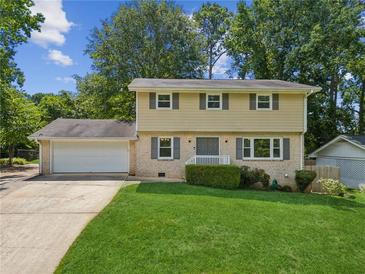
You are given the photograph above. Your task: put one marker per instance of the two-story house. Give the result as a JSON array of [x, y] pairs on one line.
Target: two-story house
[[258, 123]]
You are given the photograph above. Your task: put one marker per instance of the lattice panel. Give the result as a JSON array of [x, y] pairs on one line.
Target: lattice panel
[[352, 171]]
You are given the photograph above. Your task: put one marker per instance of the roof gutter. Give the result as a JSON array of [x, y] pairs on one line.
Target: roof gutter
[[312, 91], [232, 90]]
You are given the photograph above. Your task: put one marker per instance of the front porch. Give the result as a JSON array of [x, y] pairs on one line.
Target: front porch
[[209, 160], [208, 153]]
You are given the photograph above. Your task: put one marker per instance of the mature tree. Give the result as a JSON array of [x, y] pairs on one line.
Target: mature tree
[[19, 117], [214, 22], [356, 66], [16, 25], [37, 97], [91, 103], [306, 41], [149, 39], [54, 106]]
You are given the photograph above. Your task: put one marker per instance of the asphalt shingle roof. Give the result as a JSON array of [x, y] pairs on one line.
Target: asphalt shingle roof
[[73, 128], [140, 83]]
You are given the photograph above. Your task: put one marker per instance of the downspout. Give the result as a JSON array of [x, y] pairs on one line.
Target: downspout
[[39, 156], [305, 128]]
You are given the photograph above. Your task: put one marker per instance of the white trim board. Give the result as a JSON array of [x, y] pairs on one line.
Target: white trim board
[[340, 137]]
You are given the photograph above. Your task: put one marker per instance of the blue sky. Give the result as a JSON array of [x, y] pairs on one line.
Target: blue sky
[[51, 57]]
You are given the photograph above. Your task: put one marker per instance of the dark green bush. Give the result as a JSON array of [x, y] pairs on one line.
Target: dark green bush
[[220, 176], [286, 188], [303, 178], [250, 176]]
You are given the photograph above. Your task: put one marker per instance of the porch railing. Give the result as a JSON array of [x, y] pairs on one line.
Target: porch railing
[[209, 160]]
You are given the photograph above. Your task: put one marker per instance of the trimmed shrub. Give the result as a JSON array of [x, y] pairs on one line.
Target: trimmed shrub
[[220, 176], [250, 176], [16, 161], [332, 187], [362, 188], [303, 178]]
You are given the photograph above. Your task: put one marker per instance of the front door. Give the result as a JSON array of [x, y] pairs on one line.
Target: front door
[[207, 146]]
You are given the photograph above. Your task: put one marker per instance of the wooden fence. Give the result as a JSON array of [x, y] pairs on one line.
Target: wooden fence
[[332, 172]]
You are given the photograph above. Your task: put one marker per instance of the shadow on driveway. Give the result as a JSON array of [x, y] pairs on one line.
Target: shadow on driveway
[[80, 177]]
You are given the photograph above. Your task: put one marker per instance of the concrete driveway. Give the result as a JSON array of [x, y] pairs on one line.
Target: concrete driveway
[[40, 220]]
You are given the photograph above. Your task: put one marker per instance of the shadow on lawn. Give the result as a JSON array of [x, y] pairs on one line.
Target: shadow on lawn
[[267, 196]]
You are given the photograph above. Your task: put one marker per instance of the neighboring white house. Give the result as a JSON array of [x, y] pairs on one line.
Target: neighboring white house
[[348, 153]]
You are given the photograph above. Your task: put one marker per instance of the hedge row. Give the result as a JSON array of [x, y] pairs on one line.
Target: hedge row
[[220, 176]]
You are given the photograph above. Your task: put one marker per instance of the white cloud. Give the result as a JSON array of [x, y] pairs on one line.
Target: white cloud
[[222, 65], [348, 76], [57, 57], [66, 79], [55, 24]]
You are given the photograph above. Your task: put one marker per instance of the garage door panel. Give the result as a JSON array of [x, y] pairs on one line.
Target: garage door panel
[[90, 157]]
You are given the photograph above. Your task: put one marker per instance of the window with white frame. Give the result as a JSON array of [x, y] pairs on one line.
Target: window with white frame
[[262, 148], [263, 102], [165, 146], [276, 148], [246, 148], [163, 101], [214, 101]]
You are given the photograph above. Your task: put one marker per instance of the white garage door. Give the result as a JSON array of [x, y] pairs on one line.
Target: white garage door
[[87, 156]]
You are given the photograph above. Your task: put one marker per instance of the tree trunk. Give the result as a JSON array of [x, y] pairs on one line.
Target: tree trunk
[[362, 109], [333, 104], [11, 154], [210, 73]]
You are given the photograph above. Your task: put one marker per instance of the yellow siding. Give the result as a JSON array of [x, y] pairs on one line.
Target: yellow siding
[[289, 117]]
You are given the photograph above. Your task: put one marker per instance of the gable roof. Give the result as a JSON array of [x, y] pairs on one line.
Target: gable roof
[[198, 84], [86, 128], [358, 141]]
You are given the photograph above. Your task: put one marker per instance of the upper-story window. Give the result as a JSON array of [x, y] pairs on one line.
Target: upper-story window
[[163, 101], [264, 102], [214, 101]]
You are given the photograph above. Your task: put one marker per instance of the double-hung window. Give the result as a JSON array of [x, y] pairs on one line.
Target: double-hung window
[[246, 148], [165, 147], [276, 148], [214, 101], [262, 148], [264, 102], [163, 101]]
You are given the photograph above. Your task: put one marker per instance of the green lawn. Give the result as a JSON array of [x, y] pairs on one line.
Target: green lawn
[[177, 228], [36, 161]]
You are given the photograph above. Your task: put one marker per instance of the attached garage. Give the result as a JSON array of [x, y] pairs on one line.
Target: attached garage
[[90, 156], [347, 153], [86, 146]]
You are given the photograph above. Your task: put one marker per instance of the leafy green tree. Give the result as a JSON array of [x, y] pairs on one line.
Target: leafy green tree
[[16, 25], [214, 22], [19, 118], [356, 66], [54, 106], [37, 97], [147, 38], [305, 41]]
